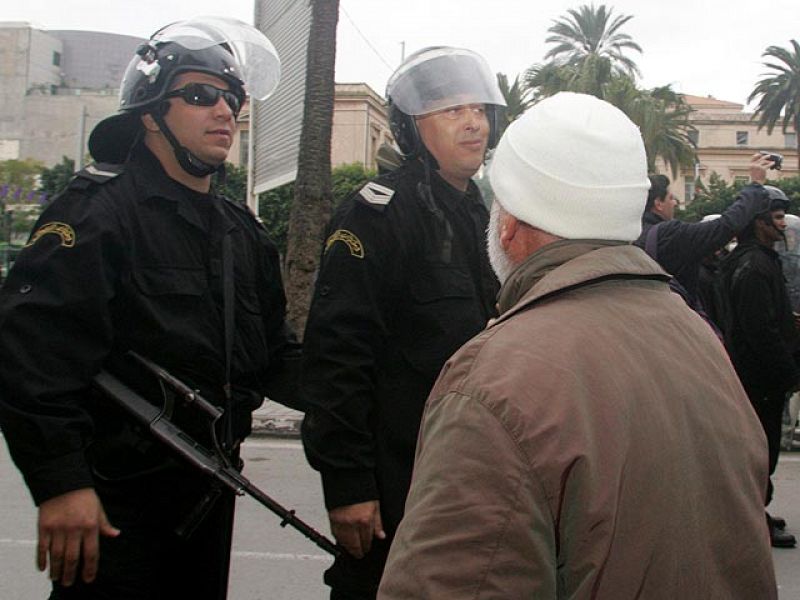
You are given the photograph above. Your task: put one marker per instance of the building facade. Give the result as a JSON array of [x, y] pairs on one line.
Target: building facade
[[726, 138], [55, 86]]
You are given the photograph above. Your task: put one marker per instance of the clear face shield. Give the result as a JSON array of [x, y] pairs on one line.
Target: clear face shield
[[434, 79], [789, 251], [255, 54]]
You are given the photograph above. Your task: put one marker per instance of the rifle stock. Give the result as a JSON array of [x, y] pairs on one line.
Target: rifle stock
[[199, 457]]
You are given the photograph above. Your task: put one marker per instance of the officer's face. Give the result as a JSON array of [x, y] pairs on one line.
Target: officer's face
[[207, 131], [457, 138], [779, 224]]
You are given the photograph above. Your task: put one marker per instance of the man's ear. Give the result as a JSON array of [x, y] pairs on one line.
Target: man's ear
[[150, 123], [509, 228]]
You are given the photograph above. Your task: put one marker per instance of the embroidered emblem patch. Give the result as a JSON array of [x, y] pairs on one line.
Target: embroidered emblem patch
[[376, 194], [62, 230], [354, 244]]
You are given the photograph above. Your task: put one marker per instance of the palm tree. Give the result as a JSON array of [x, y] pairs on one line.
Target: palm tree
[[589, 33], [546, 79], [313, 196], [779, 93], [662, 116], [516, 95]]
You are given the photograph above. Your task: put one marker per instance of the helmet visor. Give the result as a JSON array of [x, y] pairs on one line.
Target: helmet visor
[[257, 57], [440, 78]]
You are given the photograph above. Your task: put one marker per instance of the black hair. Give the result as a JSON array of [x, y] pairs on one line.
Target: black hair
[[658, 190]]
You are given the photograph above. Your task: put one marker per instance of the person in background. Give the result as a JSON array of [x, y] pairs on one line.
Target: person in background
[[680, 247], [760, 331], [564, 452]]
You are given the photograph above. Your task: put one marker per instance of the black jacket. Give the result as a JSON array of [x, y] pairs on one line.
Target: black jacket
[[681, 246], [128, 259], [404, 282], [757, 319]]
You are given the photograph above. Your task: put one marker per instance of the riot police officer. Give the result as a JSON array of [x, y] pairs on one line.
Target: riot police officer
[[404, 281], [139, 255]]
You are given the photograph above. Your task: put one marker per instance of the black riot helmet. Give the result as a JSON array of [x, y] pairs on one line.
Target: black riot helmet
[[436, 78], [235, 52], [777, 199]]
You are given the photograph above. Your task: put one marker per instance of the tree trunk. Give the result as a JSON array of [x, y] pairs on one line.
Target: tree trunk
[[312, 203]]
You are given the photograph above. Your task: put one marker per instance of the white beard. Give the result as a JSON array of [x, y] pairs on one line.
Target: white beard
[[500, 262]]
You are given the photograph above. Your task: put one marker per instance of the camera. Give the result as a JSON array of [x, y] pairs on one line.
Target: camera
[[777, 159]]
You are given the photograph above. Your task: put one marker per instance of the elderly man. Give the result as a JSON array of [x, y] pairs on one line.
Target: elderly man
[[568, 451], [404, 281]]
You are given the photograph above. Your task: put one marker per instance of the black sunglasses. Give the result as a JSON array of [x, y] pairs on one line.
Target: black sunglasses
[[205, 94]]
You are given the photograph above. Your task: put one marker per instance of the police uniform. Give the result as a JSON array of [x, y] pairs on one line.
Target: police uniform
[[129, 259], [404, 281]]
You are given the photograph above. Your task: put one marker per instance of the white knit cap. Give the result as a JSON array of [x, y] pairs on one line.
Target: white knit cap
[[573, 166]]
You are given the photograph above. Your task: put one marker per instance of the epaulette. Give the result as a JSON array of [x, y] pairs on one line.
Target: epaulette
[[95, 174], [375, 195]]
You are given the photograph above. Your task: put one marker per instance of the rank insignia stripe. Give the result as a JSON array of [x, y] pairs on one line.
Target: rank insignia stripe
[[62, 230], [377, 195], [351, 240]]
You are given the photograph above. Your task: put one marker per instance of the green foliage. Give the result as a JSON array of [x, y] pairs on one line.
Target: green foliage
[[346, 179], [274, 205], [718, 195], [235, 185], [20, 173], [590, 37], [273, 210], [517, 96], [54, 179], [778, 92]]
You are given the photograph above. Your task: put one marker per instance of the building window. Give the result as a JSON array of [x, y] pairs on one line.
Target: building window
[[741, 179], [790, 140], [688, 190], [694, 136], [244, 147], [57, 59], [741, 138]]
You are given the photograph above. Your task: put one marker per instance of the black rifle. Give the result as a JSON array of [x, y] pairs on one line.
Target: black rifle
[[214, 464]]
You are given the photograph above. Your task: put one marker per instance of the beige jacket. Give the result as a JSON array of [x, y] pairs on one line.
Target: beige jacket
[[594, 442]]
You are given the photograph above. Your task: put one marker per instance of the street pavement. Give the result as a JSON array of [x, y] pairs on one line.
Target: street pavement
[[272, 563]]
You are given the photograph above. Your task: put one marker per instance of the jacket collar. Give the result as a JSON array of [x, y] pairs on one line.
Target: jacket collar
[[153, 182], [570, 263], [651, 218], [446, 194]]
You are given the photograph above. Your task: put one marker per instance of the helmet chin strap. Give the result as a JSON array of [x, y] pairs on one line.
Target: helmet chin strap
[[188, 161]]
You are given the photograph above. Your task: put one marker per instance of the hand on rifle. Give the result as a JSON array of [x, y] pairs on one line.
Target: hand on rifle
[[70, 526], [355, 525]]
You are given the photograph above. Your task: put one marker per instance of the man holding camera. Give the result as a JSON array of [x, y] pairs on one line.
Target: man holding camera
[[680, 247], [760, 331]]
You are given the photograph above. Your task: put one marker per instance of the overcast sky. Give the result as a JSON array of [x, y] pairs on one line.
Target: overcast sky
[[701, 47]]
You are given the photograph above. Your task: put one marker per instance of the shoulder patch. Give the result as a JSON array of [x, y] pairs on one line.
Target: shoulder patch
[[375, 195], [62, 230], [350, 239], [99, 173]]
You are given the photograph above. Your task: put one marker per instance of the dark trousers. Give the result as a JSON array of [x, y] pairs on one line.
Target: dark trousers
[[769, 408], [148, 561], [358, 579]]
